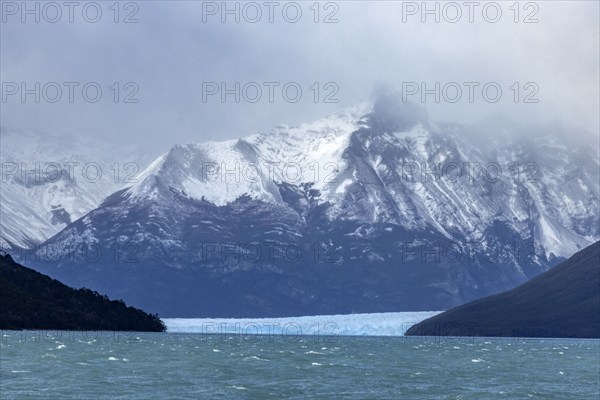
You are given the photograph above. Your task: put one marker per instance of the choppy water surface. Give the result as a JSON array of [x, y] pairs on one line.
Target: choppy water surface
[[74, 365]]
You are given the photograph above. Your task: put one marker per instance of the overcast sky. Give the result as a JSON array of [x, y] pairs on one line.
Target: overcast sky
[[175, 48]]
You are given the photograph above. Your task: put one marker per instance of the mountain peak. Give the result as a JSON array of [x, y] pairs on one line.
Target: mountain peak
[[222, 171]]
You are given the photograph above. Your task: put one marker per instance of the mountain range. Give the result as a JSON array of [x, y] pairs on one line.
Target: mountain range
[[375, 208]]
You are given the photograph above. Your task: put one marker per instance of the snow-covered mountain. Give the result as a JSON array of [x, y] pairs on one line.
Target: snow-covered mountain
[[375, 208], [49, 181]]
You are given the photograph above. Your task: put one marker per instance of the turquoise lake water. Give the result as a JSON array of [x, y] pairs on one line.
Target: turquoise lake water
[[76, 365]]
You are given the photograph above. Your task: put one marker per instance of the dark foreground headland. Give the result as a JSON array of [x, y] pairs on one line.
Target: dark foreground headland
[[562, 302], [30, 300]]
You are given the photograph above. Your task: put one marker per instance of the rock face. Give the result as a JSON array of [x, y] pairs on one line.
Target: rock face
[[563, 302], [30, 300], [376, 208]]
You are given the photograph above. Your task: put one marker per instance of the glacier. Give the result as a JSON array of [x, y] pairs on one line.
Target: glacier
[[369, 324]]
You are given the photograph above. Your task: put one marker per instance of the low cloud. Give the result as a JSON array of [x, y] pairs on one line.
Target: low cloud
[[153, 73]]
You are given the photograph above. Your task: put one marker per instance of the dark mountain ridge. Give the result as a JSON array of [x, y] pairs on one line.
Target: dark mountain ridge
[[562, 302], [30, 300]]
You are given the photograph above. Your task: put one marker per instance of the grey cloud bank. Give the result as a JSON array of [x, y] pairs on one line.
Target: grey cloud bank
[[152, 75]]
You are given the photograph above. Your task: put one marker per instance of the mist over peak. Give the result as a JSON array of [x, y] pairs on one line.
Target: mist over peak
[[392, 113]]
